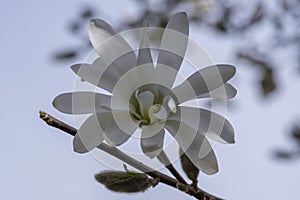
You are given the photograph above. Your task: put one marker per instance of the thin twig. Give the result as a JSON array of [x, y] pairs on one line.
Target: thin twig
[[198, 194], [163, 158]]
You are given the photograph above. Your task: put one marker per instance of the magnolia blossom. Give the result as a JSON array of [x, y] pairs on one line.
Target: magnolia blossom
[[143, 95]]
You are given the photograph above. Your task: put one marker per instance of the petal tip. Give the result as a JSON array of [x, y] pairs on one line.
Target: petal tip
[[227, 71], [181, 14], [78, 146], [211, 171], [233, 141], [56, 103], [93, 22], [232, 68], [234, 92], [230, 142], [75, 68]]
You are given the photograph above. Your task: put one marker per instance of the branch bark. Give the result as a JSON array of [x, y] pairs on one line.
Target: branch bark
[[163, 158], [197, 193]]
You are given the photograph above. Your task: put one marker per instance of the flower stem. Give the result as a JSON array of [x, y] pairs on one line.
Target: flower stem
[[198, 194], [163, 158]]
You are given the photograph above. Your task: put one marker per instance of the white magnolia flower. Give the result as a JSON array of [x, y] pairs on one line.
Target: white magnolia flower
[[143, 95]]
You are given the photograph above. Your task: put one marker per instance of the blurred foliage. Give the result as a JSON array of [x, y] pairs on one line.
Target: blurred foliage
[[268, 31], [77, 28], [291, 153], [229, 19]]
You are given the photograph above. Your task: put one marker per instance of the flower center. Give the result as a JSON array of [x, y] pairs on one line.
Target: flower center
[[157, 114], [156, 108], [149, 107]]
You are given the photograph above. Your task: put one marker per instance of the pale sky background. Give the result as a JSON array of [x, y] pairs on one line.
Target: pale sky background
[[37, 161]]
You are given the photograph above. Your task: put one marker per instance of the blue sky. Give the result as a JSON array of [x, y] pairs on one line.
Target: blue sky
[[37, 161]]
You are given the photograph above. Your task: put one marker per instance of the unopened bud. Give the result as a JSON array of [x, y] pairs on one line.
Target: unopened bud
[[189, 168], [127, 182]]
